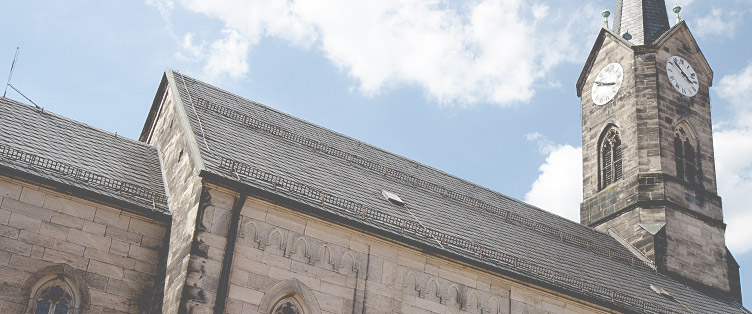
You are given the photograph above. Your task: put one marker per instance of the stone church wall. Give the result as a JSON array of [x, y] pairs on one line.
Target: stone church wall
[[184, 192], [280, 253], [113, 252], [696, 250]]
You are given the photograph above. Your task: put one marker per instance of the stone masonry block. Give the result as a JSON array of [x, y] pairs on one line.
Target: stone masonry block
[[27, 209], [15, 246], [24, 222], [67, 220], [111, 218], [89, 240], [80, 210], [75, 261], [146, 228], [246, 295], [10, 190], [32, 196], [95, 228], [104, 269], [107, 257]]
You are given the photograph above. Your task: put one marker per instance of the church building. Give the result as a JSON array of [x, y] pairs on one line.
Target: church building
[[225, 205]]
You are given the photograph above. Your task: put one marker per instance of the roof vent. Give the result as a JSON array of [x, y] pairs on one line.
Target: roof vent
[[662, 292], [393, 198]]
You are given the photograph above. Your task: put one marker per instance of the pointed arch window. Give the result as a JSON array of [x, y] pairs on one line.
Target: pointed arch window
[[685, 155], [611, 158], [287, 306], [54, 297]]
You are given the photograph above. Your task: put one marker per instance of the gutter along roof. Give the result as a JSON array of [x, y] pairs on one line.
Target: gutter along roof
[[306, 163]]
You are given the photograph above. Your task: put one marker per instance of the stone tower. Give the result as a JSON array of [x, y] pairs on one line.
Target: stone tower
[[648, 161]]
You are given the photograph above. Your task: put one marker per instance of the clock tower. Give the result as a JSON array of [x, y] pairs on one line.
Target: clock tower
[[648, 161]]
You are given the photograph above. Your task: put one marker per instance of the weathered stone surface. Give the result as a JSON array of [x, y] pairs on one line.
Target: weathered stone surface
[[54, 229], [647, 111]]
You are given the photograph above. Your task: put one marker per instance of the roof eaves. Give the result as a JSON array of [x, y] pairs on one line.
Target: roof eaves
[[157, 212]]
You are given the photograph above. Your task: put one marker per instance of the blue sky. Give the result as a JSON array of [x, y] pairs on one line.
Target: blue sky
[[484, 90]]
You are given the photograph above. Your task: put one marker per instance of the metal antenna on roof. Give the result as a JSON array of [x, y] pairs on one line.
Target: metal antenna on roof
[[12, 67], [8, 84]]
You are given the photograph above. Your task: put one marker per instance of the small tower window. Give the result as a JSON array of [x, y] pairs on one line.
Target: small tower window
[[685, 155], [611, 158]]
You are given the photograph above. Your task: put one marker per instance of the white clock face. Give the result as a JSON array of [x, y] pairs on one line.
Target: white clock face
[[607, 83], [682, 76]]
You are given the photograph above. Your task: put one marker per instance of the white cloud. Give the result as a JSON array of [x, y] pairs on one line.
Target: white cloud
[[191, 50], [718, 22], [489, 51], [558, 188], [163, 6], [733, 152], [228, 56]]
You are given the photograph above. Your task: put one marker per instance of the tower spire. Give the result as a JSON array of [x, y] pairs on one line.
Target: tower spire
[[641, 21]]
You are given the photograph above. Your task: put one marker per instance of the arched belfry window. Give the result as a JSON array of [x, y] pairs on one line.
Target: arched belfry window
[[610, 158], [685, 154]]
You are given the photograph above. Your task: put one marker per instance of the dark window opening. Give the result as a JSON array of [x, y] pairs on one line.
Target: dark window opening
[[611, 158], [53, 300], [685, 157]]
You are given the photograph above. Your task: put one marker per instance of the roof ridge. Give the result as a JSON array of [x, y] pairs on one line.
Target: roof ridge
[[388, 152], [616, 253], [471, 249], [14, 102]]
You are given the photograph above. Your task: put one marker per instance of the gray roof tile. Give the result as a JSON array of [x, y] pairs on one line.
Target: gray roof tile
[[47, 145], [299, 160]]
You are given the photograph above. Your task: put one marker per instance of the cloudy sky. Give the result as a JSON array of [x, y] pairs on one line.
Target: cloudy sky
[[484, 89]]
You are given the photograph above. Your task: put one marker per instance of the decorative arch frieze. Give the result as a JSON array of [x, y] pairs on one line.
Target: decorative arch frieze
[[275, 242], [299, 250], [347, 264], [452, 296], [433, 291], [450, 293], [299, 247]]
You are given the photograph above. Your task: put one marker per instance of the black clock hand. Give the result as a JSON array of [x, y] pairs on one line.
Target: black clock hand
[[682, 73], [605, 84]]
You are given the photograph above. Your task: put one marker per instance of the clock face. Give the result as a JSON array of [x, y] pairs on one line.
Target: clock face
[[607, 83], [682, 76]]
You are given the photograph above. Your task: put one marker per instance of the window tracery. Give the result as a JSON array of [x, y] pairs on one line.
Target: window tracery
[[54, 297], [611, 158], [287, 306]]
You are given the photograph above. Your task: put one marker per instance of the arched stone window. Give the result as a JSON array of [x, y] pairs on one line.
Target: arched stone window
[[57, 289], [610, 157], [289, 297], [287, 306], [685, 154], [54, 297]]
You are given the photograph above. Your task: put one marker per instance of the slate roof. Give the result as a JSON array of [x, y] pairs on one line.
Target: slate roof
[[41, 144], [644, 20], [298, 160]]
